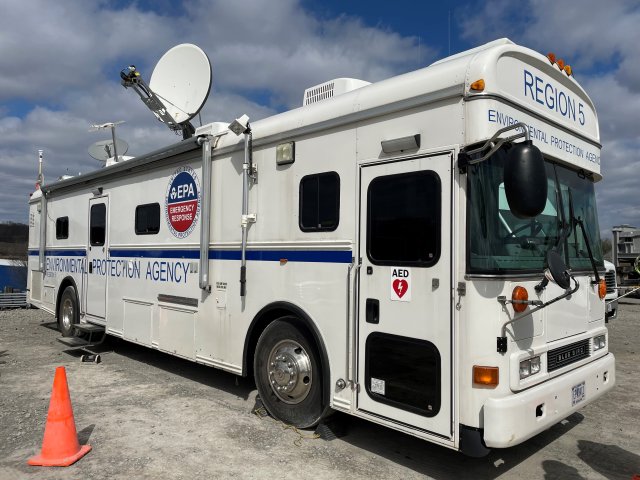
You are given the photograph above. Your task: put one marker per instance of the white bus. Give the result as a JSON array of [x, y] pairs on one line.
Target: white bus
[[422, 252]]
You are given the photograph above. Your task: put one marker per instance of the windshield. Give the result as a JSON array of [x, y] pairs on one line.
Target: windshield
[[500, 242]]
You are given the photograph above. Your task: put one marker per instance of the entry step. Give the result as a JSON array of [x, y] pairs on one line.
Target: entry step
[[89, 328], [74, 342]]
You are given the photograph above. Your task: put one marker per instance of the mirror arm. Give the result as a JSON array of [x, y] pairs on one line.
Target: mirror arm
[[502, 340], [495, 142]]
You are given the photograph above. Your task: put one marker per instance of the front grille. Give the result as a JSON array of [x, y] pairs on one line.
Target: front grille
[[610, 279], [563, 356]]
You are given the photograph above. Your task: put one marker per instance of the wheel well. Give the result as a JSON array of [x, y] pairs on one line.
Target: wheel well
[[68, 281], [282, 309]]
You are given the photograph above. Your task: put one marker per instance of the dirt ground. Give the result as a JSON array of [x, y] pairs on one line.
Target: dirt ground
[[150, 415]]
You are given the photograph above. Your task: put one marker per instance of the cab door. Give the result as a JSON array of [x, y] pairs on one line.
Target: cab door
[[404, 324], [96, 290]]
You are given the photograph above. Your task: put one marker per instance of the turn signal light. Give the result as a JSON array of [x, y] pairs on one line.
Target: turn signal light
[[518, 298], [478, 85], [486, 375], [602, 289], [551, 57]]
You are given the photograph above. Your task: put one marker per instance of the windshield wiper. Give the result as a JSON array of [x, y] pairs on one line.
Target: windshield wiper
[[568, 225], [578, 221]]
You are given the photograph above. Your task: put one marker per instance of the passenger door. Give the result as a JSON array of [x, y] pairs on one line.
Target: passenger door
[[96, 257], [404, 325]]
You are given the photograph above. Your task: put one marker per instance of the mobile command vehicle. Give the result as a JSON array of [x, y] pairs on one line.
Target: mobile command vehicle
[[422, 252]]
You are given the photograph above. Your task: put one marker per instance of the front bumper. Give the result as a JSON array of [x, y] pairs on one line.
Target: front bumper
[[512, 420]]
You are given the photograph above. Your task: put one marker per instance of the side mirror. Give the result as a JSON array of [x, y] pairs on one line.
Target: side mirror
[[558, 269], [525, 180]]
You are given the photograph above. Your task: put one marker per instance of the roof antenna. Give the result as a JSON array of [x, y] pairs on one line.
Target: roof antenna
[[40, 179], [179, 86], [449, 30]]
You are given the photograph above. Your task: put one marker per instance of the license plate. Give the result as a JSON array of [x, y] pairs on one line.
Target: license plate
[[577, 393]]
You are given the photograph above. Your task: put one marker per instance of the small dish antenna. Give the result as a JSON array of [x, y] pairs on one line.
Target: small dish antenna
[[104, 150], [179, 86]]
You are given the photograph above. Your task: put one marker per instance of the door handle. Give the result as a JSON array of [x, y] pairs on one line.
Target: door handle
[[373, 310]]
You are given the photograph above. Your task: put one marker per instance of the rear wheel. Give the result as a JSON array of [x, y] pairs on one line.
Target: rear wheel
[[68, 311], [288, 374]]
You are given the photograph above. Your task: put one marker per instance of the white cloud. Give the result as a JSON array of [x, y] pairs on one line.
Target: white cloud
[[64, 59], [599, 39]]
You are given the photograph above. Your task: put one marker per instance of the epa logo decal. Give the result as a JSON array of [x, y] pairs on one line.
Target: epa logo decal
[[182, 202]]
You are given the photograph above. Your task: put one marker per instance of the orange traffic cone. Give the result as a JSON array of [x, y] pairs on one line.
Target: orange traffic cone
[[60, 447]]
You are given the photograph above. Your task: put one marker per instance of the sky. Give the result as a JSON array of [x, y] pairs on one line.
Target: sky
[[60, 64]]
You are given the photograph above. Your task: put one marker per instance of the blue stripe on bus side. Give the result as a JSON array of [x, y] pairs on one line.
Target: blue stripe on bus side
[[315, 256], [312, 256]]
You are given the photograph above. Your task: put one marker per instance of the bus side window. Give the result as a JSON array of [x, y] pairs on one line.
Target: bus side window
[[62, 228], [147, 219], [98, 225], [319, 209]]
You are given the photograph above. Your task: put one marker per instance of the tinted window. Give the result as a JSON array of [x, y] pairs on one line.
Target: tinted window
[[403, 224], [148, 219], [62, 228], [501, 243], [403, 372], [319, 202], [98, 224]]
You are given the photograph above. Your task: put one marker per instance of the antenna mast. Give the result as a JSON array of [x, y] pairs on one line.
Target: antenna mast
[[131, 78], [112, 125], [40, 179]]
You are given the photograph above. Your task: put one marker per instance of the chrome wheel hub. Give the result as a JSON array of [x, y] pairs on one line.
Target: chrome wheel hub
[[67, 313], [289, 370]]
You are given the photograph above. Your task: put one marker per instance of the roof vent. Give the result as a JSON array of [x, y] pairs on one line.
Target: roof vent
[[330, 89]]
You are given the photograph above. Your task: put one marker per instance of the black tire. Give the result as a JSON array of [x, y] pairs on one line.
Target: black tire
[[286, 358], [68, 311]]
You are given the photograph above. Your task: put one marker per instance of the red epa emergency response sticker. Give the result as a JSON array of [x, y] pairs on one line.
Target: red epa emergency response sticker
[[182, 202]]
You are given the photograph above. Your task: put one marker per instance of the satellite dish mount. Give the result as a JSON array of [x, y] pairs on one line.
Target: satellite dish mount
[[179, 86], [108, 150]]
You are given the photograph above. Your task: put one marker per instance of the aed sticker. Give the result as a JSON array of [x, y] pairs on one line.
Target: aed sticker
[[400, 284], [182, 202]]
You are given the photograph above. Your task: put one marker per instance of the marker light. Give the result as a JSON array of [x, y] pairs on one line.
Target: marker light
[[529, 367], [560, 63], [478, 85], [568, 70], [602, 289], [518, 297], [599, 342], [551, 57], [486, 375]]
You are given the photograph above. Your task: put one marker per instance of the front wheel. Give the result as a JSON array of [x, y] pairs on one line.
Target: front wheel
[[68, 311], [288, 374]]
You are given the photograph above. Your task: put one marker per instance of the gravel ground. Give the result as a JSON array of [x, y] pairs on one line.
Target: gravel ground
[[150, 415]]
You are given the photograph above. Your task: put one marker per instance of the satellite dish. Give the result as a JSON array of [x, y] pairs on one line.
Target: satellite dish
[[103, 150], [179, 86], [182, 81]]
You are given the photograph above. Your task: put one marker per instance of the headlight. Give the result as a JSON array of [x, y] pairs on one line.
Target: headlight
[[529, 367], [599, 342]]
